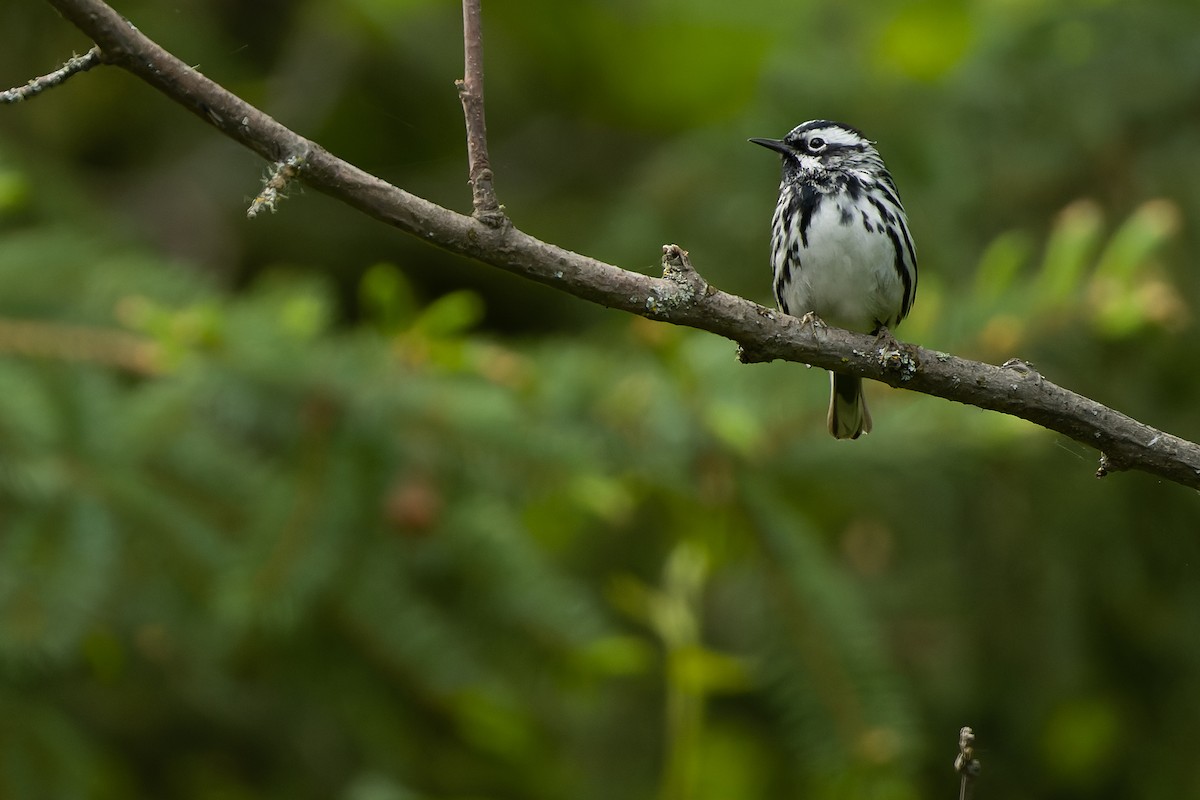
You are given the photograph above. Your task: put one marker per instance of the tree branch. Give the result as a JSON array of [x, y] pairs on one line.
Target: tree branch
[[680, 297], [470, 91], [74, 65]]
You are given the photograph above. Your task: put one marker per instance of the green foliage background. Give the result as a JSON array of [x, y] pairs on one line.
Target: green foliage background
[[299, 507]]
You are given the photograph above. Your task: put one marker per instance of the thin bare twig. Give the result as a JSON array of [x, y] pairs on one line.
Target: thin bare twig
[[74, 65], [965, 763], [470, 91], [681, 299]]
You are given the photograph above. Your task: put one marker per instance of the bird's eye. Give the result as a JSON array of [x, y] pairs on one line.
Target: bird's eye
[[816, 144]]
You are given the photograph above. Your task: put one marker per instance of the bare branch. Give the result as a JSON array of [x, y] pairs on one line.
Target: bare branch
[[74, 65], [680, 297], [470, 91], [965, 763]]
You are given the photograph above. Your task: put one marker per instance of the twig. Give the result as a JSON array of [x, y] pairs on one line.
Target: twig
[[470, 91], [762, 333], [965, 763], [74, 65]]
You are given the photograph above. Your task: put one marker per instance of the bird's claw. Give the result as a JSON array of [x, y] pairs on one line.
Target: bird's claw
[[886, 341], [811, 319]]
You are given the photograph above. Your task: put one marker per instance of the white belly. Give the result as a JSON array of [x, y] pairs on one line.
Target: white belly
[[846, 275]]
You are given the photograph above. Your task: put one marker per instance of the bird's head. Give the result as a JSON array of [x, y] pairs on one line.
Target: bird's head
[[821, 147]]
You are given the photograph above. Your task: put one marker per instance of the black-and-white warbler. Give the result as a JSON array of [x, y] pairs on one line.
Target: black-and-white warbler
[[840, 246]]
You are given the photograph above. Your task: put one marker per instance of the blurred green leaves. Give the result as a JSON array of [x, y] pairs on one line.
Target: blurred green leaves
[[1110, 280], [925, 40], [14, 190], [310, 510], [386, 297], [402, 496], [1072, 244], [1080, 741], [675, 73], [1129, 290]]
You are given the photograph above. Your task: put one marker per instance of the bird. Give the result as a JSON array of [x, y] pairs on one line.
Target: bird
[[841, 250]]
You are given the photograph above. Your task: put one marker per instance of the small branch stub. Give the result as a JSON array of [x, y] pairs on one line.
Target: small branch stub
[[74, 65], [681, 287], [678, 267], [965, 764]]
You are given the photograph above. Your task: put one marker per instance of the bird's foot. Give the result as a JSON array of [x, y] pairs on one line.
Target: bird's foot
[[811, 319]]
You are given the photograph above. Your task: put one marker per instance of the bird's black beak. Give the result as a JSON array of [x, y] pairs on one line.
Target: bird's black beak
[[778, 145]]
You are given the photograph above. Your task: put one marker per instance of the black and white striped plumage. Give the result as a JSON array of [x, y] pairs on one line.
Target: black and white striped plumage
[[840, 246]]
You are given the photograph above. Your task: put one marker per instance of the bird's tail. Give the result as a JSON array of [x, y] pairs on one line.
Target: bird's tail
[[848, 415]]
